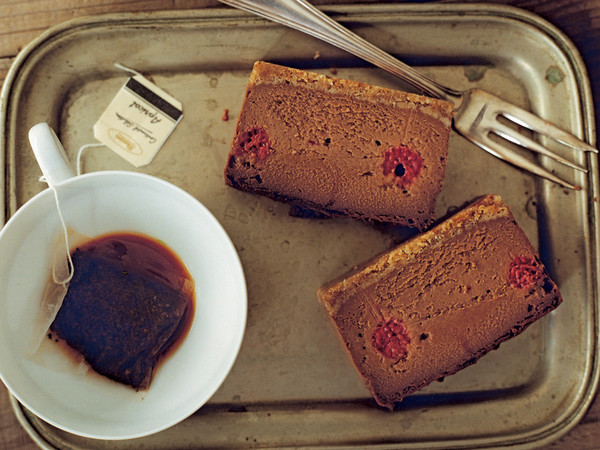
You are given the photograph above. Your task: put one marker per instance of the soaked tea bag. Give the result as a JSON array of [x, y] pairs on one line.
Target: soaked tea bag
[[129, 303], [117, 304]]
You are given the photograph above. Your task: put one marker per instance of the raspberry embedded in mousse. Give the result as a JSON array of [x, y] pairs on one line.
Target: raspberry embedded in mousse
[[405, 164], [253, 142], [391, 339], [524, 272]]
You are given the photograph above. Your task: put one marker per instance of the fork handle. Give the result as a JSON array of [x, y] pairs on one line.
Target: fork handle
[[302, 16]]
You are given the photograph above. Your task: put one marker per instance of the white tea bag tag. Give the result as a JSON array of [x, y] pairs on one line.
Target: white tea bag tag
[[138, 121]]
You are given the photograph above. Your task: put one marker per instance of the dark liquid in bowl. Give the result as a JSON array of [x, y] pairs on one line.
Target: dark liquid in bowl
[[129, 304]]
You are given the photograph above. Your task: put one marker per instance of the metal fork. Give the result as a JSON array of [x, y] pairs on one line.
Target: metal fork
[[477, 112]]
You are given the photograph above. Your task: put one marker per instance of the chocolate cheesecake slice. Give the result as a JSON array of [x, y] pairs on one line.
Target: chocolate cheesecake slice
[[440, 301], [340, 147]]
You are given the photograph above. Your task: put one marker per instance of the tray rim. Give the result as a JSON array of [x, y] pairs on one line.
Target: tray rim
[[503, 12]]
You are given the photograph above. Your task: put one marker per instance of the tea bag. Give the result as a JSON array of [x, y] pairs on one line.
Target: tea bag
[[129, 302]]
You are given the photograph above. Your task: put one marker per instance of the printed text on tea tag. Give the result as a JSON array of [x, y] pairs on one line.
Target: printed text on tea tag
[[138, 121]]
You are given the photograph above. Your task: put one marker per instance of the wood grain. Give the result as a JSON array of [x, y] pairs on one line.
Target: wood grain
[[21, 21]]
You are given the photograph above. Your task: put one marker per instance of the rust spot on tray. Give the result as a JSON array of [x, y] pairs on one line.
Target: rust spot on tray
[[554, 75]]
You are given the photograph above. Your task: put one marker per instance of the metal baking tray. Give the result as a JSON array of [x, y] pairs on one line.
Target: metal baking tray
[[292, 384]]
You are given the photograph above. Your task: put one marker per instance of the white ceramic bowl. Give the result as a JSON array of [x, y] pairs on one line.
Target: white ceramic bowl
[[90, 405]]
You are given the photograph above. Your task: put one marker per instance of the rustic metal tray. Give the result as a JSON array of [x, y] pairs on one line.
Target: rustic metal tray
[[292, 384]]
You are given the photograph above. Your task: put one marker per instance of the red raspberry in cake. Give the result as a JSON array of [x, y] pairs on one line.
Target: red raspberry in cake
[[254, 142], [524, 272], [391, 339], [404, 163]]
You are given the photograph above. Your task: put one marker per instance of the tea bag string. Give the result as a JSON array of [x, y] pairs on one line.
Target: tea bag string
[[80, 153], [66, 236], [57, 201], [127, 69], [62, 219]]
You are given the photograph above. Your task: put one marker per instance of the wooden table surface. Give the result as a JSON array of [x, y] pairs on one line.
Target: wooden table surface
[[23, 20]]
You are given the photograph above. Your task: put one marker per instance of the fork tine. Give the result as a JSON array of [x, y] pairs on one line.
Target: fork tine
[[541, 126], [518, 138], [509, 156]]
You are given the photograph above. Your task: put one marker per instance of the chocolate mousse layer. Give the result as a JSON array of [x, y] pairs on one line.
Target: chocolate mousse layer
[[440, 301], [340, 147]]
